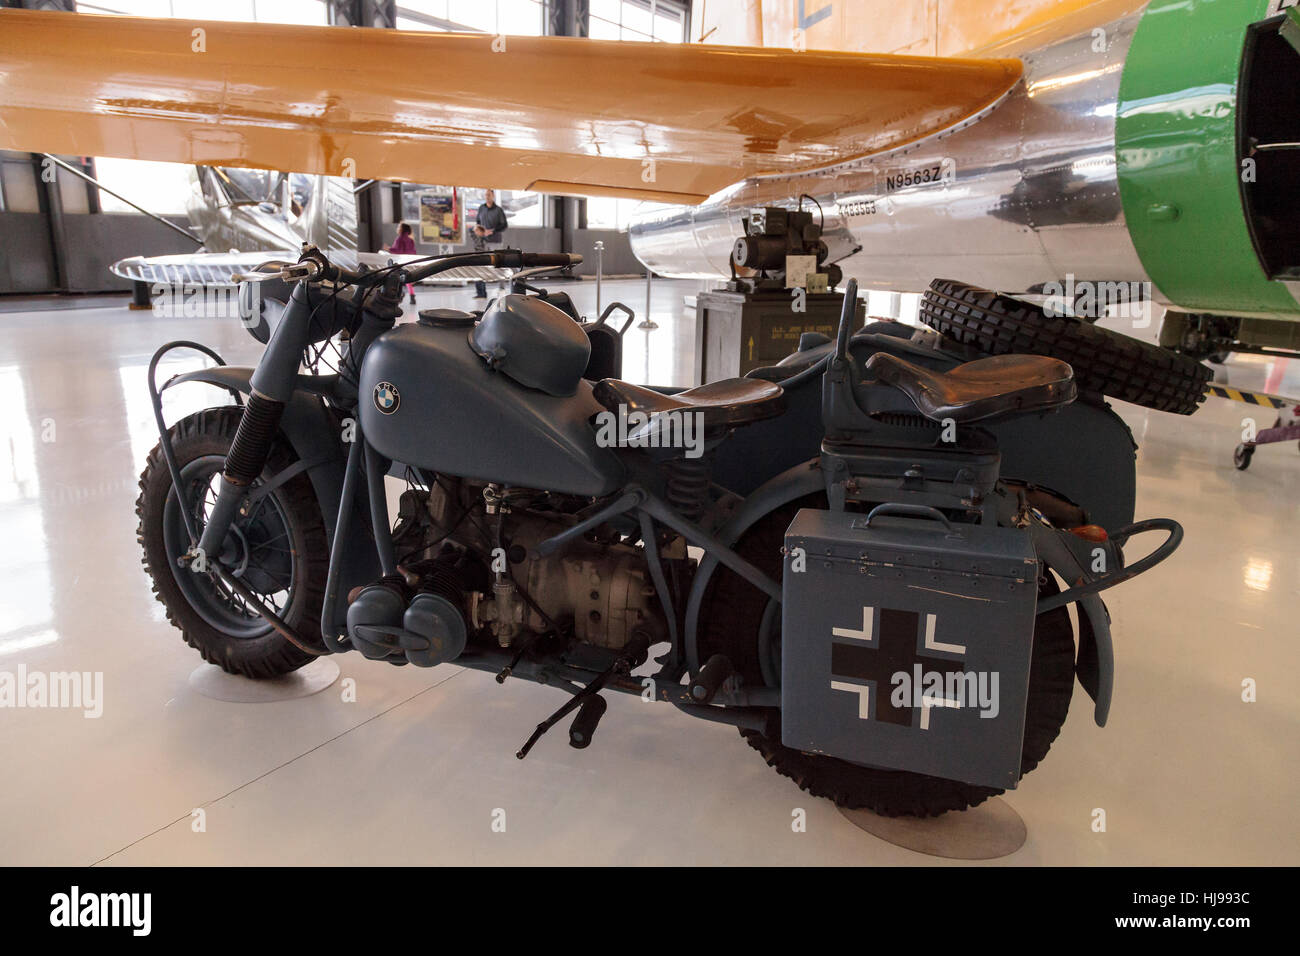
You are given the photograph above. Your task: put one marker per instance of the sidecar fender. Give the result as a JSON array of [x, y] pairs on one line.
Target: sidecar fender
[[1096, 667]]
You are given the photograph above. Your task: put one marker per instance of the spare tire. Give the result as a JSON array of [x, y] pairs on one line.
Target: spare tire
[[1103, 361]]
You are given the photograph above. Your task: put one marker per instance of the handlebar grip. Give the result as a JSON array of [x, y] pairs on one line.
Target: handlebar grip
[[336, 273]]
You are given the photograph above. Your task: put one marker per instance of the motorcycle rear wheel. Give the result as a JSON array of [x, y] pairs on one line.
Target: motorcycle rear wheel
[[279, 549], [731, 618]]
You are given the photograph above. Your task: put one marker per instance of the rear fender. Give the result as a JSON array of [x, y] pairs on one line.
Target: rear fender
[[803, 479]]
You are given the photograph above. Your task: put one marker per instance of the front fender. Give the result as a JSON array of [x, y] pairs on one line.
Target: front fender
[[315, 436]]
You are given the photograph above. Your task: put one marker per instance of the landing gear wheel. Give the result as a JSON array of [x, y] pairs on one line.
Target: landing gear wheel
[[1103, 361], [732, 619], [278, 550], [1241, 456]]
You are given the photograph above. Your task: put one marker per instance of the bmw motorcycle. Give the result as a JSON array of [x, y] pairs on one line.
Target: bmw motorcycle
[[860, 557]]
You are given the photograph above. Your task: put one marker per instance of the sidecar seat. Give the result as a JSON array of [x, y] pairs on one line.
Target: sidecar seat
[[981, 389]]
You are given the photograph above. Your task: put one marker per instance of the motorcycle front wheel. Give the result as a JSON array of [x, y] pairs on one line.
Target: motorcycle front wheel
[[278, 549]]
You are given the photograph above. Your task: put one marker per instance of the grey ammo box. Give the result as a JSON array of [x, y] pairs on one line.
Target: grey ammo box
[[898, 634]]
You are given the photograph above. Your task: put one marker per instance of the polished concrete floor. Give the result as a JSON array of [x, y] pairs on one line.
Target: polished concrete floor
[[421, 767]]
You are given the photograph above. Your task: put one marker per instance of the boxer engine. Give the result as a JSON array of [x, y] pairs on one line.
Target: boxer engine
[[478, 577]]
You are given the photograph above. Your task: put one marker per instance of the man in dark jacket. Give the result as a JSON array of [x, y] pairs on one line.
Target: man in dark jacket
[[489, 225]]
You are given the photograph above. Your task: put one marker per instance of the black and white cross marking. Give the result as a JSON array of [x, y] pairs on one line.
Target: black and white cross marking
[[891, 641]]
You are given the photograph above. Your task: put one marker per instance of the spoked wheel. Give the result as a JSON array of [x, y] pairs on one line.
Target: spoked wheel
[[737, 621], [277, 550]]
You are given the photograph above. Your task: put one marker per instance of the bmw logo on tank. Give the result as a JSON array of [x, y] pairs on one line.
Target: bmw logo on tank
[[386, 397]]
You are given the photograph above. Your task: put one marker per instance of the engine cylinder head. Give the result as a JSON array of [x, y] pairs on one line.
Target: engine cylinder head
[[373, 615], [416, 616]]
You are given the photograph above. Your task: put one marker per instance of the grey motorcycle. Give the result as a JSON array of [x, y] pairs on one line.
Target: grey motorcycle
[[861, 557]]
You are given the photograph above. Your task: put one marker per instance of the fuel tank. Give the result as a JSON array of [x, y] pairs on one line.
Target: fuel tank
[[428, 400]]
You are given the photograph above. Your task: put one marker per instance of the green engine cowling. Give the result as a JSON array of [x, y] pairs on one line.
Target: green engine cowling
[[1209, 101]]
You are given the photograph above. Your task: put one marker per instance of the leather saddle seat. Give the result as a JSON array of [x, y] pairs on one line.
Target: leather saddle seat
[[720, 406], [981, 389]]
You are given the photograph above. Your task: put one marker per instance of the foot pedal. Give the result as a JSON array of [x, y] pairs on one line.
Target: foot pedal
[[584, 725], [589, 700], [710, 678]]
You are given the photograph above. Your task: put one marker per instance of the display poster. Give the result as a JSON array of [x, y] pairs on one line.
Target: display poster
[[441, 221]]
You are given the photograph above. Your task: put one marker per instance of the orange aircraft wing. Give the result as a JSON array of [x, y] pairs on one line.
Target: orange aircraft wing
[[554, 114]]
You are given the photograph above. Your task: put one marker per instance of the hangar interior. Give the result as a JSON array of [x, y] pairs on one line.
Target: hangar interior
[[418, 764], [59, 233]]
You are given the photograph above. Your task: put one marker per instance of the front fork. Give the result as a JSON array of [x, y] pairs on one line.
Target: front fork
[[272, 386]]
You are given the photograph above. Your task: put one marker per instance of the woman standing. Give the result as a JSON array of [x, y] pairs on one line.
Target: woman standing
[[404, 243]]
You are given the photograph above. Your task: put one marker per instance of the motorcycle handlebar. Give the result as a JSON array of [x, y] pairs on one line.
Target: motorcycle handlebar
[[551, 260], [314, 265], [506, 259]]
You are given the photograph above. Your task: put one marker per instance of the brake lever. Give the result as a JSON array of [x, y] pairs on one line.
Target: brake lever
[[309, 269], [279, 264]]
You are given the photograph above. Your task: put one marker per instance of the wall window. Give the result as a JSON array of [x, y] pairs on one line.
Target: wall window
[[162, 188], [665, 21], [603, 213], [242, 11], [512, 17], [18, 185]]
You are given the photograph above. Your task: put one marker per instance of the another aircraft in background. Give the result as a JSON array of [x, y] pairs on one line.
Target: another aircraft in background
[[247, 216]]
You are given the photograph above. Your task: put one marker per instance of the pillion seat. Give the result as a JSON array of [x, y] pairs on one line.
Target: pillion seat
[[981, 389], [721, 405]]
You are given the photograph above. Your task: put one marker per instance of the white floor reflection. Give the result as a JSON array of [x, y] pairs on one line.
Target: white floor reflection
[[440, 743], [25, 602]]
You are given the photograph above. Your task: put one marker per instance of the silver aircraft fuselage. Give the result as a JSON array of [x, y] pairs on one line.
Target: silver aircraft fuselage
[[1021, 195]]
